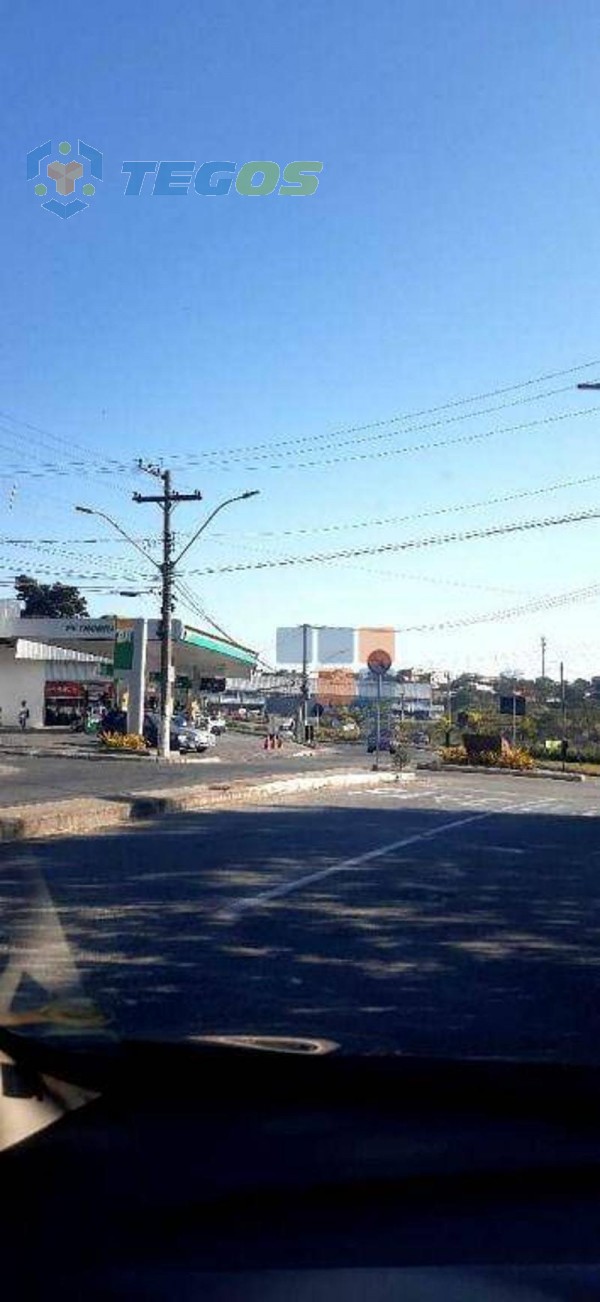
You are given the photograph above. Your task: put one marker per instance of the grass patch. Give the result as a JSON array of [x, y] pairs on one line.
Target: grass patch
[[572, 766]]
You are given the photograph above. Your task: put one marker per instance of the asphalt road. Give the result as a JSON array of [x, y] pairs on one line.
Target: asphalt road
[[457, 915], [26, 779]]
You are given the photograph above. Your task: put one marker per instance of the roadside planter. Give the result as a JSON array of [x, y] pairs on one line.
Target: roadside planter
[[129, 743], [487, 751]]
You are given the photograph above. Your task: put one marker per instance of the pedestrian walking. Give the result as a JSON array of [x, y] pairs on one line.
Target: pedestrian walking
[[271, 734], [23, 716]]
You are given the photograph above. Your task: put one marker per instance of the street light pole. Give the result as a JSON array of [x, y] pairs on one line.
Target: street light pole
[[166, 629], [166, 568], [239, 497]]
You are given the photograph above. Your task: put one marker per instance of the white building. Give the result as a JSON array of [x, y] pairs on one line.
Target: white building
[[52, 680]]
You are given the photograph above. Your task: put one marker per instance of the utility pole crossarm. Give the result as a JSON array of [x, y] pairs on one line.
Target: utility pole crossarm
[[173, 497]]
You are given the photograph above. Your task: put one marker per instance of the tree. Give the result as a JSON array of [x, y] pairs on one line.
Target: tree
[[48, 600]]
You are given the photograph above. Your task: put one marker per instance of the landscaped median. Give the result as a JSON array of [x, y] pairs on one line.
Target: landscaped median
[[77, 817], [491, 753], [437, 766]]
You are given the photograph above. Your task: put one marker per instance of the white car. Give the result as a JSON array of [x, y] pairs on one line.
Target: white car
[[218, 725], [191, 737]]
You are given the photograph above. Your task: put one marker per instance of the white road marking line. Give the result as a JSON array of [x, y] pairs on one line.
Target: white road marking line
[[397, 795], [234, 911]]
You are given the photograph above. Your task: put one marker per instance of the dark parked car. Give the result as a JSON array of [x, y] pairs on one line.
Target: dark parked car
[[386, 742], [114, 721], [151, 727]]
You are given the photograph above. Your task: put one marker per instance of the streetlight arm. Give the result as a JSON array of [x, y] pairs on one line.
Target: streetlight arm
[[88, 510], [241, 497]]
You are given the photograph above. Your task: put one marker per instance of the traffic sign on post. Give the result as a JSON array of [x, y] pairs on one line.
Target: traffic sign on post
[[379, 662], [515, 704]]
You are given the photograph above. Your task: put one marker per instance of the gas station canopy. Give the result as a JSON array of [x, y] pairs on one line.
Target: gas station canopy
[[196, 653]]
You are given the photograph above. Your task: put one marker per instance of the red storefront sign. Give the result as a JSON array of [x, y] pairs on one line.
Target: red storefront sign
[[61, 691]]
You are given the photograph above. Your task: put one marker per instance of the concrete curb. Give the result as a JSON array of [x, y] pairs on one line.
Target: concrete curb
[[61, 818], [79, 816], [481, 772], [71, 752]]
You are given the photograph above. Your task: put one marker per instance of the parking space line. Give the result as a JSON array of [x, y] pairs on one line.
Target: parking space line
[[234, 911]]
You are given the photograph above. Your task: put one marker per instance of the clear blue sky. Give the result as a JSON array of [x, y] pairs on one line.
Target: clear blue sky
[[451, 248]]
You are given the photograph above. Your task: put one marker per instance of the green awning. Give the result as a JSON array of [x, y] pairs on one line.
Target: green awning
[[233, 652]]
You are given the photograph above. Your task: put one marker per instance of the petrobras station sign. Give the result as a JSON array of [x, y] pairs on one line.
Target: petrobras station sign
[[51, 630]]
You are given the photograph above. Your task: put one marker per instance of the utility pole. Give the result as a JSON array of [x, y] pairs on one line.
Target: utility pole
[[304, 682], [378, 721], [563, 718], [448, 710], [166, 500], [544, 645]]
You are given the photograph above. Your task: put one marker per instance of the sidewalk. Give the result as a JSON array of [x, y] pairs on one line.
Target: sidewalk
[[83, 815], [60, 742]]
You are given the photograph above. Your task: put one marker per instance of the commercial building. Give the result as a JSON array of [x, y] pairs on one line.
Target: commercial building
[[55, 682], [56, 665], [279, 692]]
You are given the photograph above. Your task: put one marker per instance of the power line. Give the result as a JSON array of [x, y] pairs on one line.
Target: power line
[[92, 463], [372, 438], [37, 448], [397, 419], [496, 616], [112, 465], [44, 436], [79, 542], [381, 521], [61, 544], [426, 445], [101, 575], [191, 603], [65, 554], [105, 589], [429, 579], [434, 540]]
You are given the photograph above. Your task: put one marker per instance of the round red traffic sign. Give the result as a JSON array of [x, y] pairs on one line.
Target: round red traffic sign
[[379, 661]]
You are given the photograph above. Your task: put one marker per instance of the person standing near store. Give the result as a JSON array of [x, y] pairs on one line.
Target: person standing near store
[[23, 716]]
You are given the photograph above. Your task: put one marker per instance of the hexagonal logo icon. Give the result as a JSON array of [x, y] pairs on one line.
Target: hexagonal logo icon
[[56, 181]]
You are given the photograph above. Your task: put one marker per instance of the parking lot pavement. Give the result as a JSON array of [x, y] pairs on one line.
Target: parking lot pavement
[[439, 918], [28, 778]]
